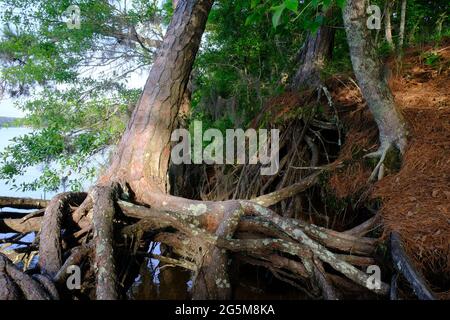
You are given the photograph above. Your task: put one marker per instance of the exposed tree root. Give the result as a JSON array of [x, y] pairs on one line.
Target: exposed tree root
[[8, 289], [17, 280], [23, 203], [404, 266], [17, 225], [365, 227], [299, 243], [378, 172], [287, 192], [203, 233], [50, 260], [211, 280], [106, 283], [328, 291]]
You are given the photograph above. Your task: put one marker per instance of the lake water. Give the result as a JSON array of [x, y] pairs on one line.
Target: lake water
[[6, 134]]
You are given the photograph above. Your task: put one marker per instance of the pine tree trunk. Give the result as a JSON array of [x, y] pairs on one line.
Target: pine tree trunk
[[317, 49], [402, 25], [142, 157], [368, 72], [388, 25]]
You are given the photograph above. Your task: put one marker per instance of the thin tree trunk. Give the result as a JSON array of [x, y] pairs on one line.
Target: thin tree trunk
[[142, 157], [368, 72], [402, 25], [439, 23], [412, 35], [388, 25], [316, 50]]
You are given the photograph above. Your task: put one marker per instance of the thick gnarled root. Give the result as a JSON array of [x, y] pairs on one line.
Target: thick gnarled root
[[291, 239], [18, 285], [202, 234]]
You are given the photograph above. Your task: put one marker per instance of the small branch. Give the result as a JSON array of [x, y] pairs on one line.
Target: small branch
[[38, 213], [323, 124], [275, 197], [365, 227], [179, 263], [314, 150]]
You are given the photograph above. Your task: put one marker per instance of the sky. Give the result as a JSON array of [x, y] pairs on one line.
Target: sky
[[7, 109]]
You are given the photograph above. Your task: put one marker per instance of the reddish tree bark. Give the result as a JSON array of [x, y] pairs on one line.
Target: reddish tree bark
[[142, 157]]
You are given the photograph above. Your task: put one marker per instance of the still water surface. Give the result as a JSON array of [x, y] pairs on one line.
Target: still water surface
[[6, 134]]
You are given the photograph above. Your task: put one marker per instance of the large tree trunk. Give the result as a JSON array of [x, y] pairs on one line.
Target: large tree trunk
[[387, 24], [317, 49], [142, 157], [368, 72], [401, 36]]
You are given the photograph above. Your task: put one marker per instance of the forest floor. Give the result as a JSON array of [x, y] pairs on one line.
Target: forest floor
[[416, 199]]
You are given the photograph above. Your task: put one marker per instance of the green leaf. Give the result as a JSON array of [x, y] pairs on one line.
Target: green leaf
[[326, 5], [277, 14], [340, 3], [253, 4], [315, 25], [291, 5], [319, 20], [251, 19]]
